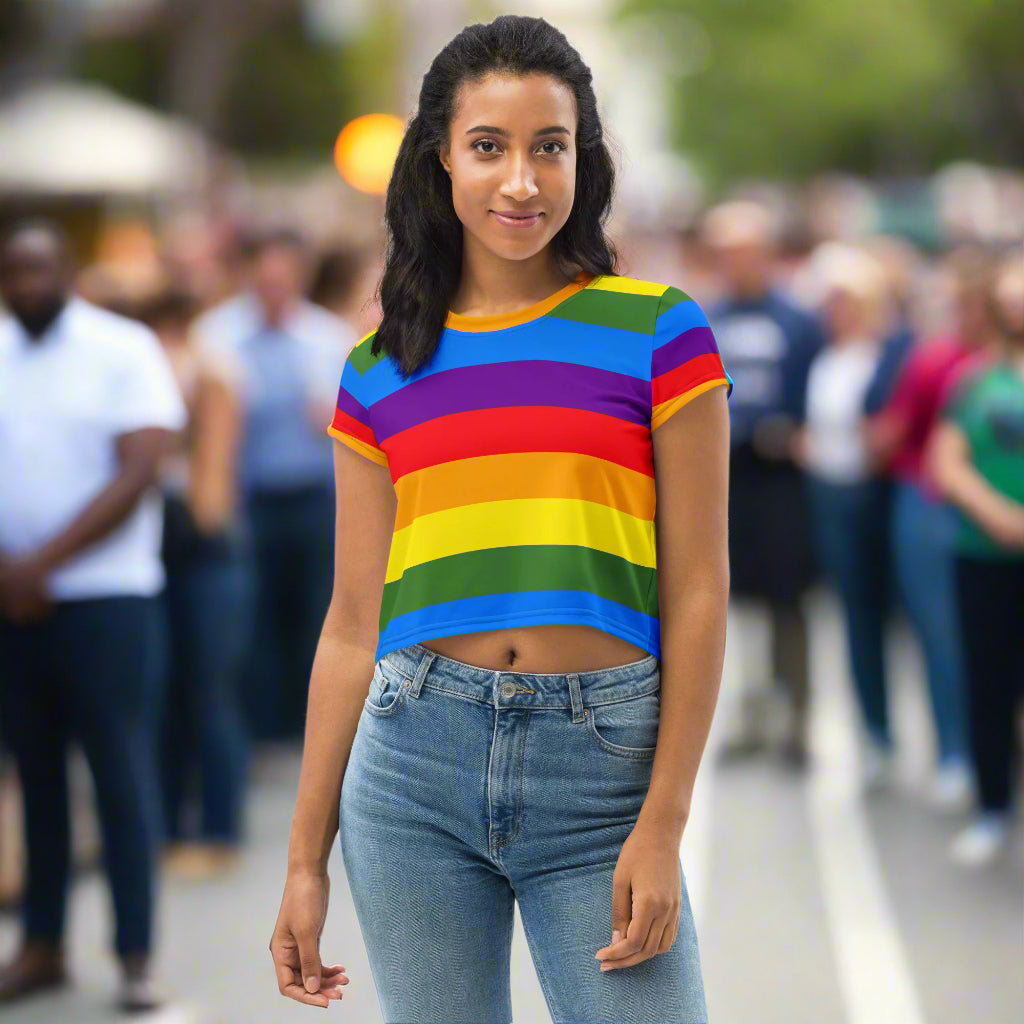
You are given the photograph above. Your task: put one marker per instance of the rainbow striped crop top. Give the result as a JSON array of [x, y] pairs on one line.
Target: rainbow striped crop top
[[523, 463]]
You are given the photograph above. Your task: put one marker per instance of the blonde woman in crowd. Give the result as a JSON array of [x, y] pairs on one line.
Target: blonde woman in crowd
[[848, 498]]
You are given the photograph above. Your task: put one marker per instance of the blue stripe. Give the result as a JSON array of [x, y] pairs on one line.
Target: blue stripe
[[674, 321], [502, 611], [605, 348]]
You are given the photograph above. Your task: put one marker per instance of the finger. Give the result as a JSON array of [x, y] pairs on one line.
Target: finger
[[300, 995], [309, 962], [622, 953]]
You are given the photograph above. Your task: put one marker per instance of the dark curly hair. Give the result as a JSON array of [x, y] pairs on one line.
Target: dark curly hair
[[423, 260]]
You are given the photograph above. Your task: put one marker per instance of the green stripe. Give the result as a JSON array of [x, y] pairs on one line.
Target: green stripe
[[362, 359], [620, 310], [521, 569], [672, 297]]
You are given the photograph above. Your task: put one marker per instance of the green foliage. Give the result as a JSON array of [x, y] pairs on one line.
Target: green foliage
[[883, 86], [291, 95]]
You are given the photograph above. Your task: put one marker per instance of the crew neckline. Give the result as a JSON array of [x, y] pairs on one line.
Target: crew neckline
[[498, 321]]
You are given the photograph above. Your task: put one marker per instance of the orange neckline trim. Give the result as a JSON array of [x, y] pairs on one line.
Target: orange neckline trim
[[498, 321]]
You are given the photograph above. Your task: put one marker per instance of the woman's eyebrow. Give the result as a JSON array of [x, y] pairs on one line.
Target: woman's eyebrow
[[492, 130]]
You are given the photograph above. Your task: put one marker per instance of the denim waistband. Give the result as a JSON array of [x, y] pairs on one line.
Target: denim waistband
[[507, 688]]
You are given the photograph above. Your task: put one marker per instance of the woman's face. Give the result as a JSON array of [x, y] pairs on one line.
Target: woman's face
[[844, 312], [512, 160]]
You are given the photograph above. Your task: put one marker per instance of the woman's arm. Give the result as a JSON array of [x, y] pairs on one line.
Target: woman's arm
[[948, 461], [691, 463], [344, 661], [211, 492]]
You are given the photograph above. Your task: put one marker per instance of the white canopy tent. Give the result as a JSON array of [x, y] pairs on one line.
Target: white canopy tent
[[65, 138]]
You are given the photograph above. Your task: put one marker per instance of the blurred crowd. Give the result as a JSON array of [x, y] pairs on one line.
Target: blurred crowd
[[877, 446]]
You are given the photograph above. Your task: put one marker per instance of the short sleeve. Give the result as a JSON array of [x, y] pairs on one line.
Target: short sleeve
[[146, 393], [685, 361], [351, 422]]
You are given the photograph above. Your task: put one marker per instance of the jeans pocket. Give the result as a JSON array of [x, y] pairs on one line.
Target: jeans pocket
[[628, 728], [388, 690]]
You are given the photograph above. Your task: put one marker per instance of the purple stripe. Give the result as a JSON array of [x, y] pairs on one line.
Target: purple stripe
[[346, 403], [697, 341], [501, 385]]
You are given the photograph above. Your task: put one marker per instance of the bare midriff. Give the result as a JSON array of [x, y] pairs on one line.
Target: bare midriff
[[555, 648]]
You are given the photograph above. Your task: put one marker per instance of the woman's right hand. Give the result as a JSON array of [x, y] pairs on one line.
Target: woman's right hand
[[295, 944]]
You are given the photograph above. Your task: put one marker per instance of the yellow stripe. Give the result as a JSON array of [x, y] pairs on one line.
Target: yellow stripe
[[375, 454], [511, 475], [492, 524], [628, 285], [665, 409], [365, 337]]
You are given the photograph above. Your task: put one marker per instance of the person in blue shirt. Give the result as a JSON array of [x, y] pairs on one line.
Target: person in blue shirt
[[768, 343], [291, 353]]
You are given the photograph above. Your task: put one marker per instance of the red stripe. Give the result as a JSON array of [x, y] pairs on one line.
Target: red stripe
[[347, 425], [466, 435], [685, 376]]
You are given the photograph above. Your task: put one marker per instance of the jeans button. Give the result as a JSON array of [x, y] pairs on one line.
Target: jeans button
[[508, 689]]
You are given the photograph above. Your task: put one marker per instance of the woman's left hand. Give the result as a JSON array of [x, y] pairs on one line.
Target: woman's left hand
[[646, 897]]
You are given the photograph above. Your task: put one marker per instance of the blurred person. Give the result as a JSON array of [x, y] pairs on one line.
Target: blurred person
[[206, 559], [901, 263], [87, 406], [290, 352], [849, 500], [924, 525], [768, 342], [506, 644], [977, 460]]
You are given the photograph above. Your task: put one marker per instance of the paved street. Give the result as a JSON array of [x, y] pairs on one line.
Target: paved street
[[813, 905]]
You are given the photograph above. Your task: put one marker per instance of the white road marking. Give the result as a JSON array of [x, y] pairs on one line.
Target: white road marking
[[874, 975]]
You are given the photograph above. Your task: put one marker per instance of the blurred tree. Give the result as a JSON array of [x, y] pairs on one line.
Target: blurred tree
[[37, 40], [248, 72], [791, 87]]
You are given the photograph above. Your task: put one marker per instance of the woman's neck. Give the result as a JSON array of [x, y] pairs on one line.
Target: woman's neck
[[491, 285]]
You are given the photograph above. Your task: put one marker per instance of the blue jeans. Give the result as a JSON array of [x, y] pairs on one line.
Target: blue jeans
[[851, 523], [923, 535], [208, 604], [89, 672], [293, 555], [468, 789]]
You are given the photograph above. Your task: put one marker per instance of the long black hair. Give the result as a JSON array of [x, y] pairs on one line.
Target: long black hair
[[423, 260]]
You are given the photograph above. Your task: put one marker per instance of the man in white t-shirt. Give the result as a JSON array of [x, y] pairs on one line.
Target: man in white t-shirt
[[88, 404]]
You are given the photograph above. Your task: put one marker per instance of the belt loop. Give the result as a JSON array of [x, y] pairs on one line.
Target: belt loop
[[421, 672], [574, 695]]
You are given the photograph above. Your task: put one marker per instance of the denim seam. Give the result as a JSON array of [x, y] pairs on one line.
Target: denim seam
[[519, 788]]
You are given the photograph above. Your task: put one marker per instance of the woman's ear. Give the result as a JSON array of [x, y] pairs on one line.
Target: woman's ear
[[443, 156]]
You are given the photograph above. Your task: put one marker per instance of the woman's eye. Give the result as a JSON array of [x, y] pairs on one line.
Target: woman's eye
[[551, 152], [484, 142]]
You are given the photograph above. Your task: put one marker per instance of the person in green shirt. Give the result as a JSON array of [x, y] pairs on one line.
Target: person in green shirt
[[977, 459]]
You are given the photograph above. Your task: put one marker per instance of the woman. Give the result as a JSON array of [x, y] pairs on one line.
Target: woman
[[849, 501], [539, 698], [204, 554], [977, 459], [923, 524]]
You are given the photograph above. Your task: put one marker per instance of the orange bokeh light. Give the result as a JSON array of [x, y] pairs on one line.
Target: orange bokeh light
[[366, 149]]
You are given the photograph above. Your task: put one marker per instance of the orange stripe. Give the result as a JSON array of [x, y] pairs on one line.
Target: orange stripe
[[666, 409], [499, 321], [523, 475]]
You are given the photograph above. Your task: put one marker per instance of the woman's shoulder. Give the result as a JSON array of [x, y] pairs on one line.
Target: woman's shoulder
[[621, 301], [622, 284]]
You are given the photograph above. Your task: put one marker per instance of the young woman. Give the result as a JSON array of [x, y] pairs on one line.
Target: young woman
[[208, 609], [519, 665], [849, 500], [977, 459]]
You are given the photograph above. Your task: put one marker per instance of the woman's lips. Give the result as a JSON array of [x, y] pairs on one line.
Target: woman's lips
[[517, 221]]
